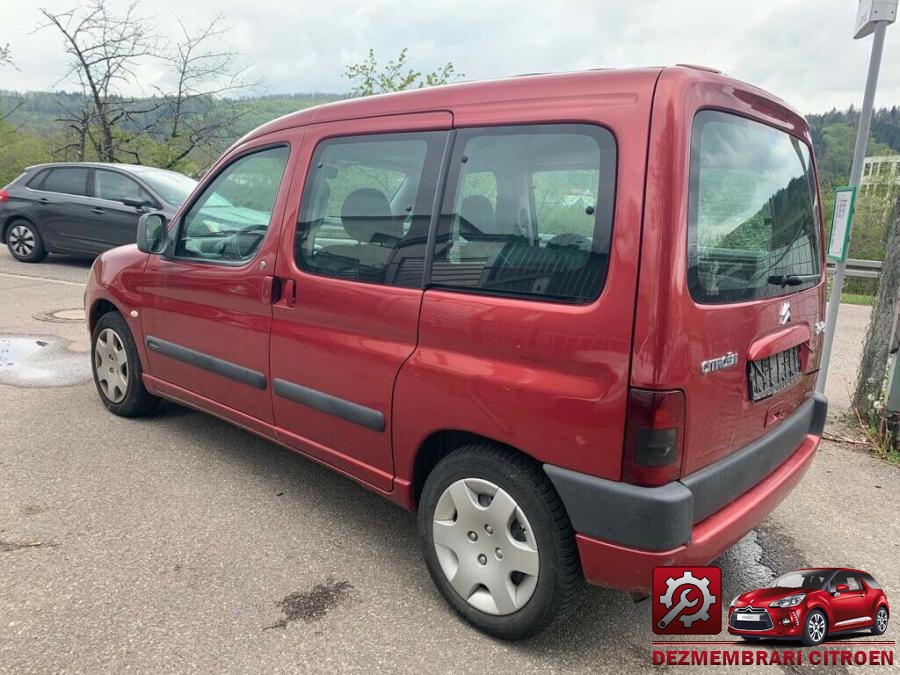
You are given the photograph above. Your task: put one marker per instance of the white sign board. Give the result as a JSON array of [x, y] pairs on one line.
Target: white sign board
[[872, 11], [844, 204]]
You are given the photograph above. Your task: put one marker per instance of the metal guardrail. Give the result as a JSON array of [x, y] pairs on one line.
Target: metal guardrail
[[861, 269]]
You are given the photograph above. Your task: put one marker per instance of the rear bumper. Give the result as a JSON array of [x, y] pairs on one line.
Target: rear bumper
[[624, 531]]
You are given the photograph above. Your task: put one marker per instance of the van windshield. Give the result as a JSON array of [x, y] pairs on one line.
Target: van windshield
[[753, 227]]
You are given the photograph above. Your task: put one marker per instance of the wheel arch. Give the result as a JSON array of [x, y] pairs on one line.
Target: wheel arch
[[100, 307], [9, 222], [441, 443]]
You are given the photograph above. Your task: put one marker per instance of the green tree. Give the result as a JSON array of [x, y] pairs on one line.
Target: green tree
[[369, 77]]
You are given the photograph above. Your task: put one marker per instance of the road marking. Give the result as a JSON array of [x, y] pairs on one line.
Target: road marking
[[34, 278]]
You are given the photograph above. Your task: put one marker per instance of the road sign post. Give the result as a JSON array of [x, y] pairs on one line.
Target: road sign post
[[873, 17]]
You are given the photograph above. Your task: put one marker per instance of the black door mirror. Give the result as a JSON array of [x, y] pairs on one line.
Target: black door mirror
[[151, 233], [136, 203]]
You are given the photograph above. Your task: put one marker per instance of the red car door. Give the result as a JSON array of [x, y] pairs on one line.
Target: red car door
[[206, 304], [350, 275], [850, 608]]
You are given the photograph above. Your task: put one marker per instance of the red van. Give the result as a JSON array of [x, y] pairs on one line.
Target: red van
[[573, 320]]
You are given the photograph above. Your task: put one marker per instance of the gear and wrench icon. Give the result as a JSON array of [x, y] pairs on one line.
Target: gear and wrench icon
[[688, 579]]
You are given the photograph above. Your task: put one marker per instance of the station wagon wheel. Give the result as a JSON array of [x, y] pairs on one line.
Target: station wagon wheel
[[24, 242], [881, 621], [485, 546], [111, 365], [498, 542], [815, 629], [117, 368]]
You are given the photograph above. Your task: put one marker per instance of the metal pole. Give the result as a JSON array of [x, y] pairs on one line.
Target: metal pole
[[859, 155]]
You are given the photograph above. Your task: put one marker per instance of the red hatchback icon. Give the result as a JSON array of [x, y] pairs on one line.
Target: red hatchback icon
[[809, 605]]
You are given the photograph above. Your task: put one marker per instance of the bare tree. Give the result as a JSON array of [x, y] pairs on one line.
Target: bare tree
[[877, 347], [6, 60], [371, 78], [104, 49], [196, 116]]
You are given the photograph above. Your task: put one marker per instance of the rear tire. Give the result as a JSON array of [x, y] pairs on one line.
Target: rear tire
[[517, 558], [117, 369], [815, 629], [24, 242], [881, 621]]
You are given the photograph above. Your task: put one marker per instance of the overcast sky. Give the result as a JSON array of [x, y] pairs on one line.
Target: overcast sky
[[800, 50]]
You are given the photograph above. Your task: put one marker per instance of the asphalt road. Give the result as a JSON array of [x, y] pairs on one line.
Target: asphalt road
[[179, 543]]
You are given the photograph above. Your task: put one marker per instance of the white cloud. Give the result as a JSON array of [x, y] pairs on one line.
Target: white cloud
[[800, 50]]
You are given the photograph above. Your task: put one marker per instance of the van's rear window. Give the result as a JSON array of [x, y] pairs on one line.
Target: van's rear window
[[752, 218]]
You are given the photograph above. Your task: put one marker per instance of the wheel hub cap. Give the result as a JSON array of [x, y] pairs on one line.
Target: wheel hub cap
[[485, 546], [111, 365], [817, 627], [21, 240], [882, 620]]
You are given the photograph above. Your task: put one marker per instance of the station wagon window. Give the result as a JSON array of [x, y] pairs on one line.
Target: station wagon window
[[230, 218], [68, 180], [528, 212], [115, 187], [753, 226], [367, 206]]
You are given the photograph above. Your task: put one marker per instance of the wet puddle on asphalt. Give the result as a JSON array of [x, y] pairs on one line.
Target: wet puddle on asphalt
[[41, 361]]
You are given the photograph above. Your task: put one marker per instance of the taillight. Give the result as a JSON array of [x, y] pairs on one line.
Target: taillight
[[4, 195], [654, 437]]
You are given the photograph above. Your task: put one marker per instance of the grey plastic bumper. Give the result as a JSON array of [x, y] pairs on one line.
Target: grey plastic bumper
[[662, 518]]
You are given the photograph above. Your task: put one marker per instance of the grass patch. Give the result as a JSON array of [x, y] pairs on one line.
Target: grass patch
[[857, 299]]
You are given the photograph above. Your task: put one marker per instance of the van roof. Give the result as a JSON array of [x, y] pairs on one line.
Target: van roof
[[533, 87]]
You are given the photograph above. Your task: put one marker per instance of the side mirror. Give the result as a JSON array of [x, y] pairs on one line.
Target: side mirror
[[136, 203], [842, 588], [151, 233]]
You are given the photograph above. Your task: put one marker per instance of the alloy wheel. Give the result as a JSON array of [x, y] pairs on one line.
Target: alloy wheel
[[485, 546], [881, 620], [21, 240], [817, 627], [111, 365]]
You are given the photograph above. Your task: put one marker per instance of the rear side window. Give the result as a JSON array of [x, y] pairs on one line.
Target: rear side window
[[70, 181], [528, 212], [753, 227], [367, 206], [870, 582], [115, 187]]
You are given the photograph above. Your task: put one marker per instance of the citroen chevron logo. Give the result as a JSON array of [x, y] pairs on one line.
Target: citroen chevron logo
[[784, 314]]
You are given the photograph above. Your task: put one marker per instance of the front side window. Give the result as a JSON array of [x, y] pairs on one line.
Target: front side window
[[116, 187], [528, 212], [230, 218], [69, 181], [847, 578], [753, 227], [367, 206]]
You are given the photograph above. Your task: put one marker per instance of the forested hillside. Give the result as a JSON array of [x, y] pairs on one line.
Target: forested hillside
[[35, 127]]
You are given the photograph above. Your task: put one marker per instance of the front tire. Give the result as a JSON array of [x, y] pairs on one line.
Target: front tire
[[498, 542], [815, 629], [117, 368], [24, 242], [881, 621]]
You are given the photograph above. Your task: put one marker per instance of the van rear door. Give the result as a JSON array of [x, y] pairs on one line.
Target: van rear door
[[732, 285]]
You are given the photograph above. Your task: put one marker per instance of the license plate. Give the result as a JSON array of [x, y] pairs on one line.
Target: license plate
[[774, 373], [748, 617]]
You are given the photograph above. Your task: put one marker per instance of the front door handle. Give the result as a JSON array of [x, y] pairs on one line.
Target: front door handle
[[43, 200], [97, 210]]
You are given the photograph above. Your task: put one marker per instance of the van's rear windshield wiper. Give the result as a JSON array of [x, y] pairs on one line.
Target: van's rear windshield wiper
[[791, 279]]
